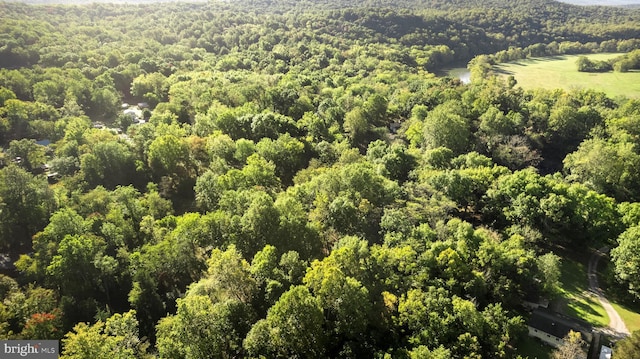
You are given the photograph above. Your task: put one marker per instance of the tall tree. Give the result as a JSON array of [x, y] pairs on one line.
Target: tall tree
[[109, 164], [26, 203], [626, 259], [445, 127], [294, 327], [116, 338], [202, 329], [572, 347], [32, 155], [628, 347]]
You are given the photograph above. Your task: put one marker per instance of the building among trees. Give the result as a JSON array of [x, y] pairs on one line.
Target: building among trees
[[552, 328]]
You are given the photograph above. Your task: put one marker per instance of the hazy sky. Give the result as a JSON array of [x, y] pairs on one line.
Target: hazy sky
[[602, 2]]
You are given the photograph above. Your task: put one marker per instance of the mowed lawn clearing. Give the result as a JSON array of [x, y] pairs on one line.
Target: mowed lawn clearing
[[533, 348], [627, 308], [575, 299], [562, 72], [629, 316]]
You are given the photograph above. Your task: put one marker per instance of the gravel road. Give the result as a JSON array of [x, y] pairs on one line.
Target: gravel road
[[615, 322]]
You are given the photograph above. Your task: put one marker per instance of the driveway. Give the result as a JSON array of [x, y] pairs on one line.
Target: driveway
[[616, 325]]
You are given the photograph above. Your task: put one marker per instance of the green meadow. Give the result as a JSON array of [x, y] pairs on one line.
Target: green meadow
[[562, 72]]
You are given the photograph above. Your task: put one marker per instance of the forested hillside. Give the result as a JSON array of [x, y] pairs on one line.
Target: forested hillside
[[291, 179]]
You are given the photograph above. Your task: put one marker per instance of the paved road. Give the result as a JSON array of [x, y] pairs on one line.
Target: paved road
[[616, 325]]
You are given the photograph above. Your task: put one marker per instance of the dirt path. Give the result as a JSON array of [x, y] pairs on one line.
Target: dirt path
[[615, 322]]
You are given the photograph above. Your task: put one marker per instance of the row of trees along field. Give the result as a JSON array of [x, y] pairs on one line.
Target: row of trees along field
[[624, 63], [303, 186]]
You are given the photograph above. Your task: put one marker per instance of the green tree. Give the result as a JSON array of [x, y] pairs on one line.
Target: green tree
[[6, 94], [260, 223], [116, 338], [572, 347], [570, 125], [65, 166], [257, 173], [499, 260], [19, 118], [286, 152], [32, 155], [74, 268], [109, 164], [294, 327], [207, 191], [269, 277], [346, 305], [357, 127], [168, 154], [445, 127], [50, 92], [63, 222], [426, 315], [25, 205], [271, 125], [32, 311], [587, 65], [202, 329], [316, 127], [104, 103], [422, 352], [607, 166], [628, 347], [349, 199], [396, 161], [375, 107], [626, 259], [549, 266], [150, 87], [295, 231], [229, 278], [221, 146]]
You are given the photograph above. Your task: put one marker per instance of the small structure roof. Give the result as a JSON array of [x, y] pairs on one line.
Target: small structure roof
[[556, 325], [605, 352]]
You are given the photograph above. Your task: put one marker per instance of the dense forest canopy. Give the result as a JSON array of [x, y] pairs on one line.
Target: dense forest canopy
[[628, 3], [291, 179]]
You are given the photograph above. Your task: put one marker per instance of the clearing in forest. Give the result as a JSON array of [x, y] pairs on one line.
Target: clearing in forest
[[562, 72]]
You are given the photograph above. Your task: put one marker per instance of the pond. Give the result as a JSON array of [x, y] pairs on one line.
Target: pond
[[461, 73]]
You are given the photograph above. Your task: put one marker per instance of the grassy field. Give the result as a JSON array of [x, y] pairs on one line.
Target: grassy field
[[562, 72], [621, 301], [629, 316], [576, 300], [531, 348]]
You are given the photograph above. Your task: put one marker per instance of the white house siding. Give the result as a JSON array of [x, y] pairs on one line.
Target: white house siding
[[547, 338]]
